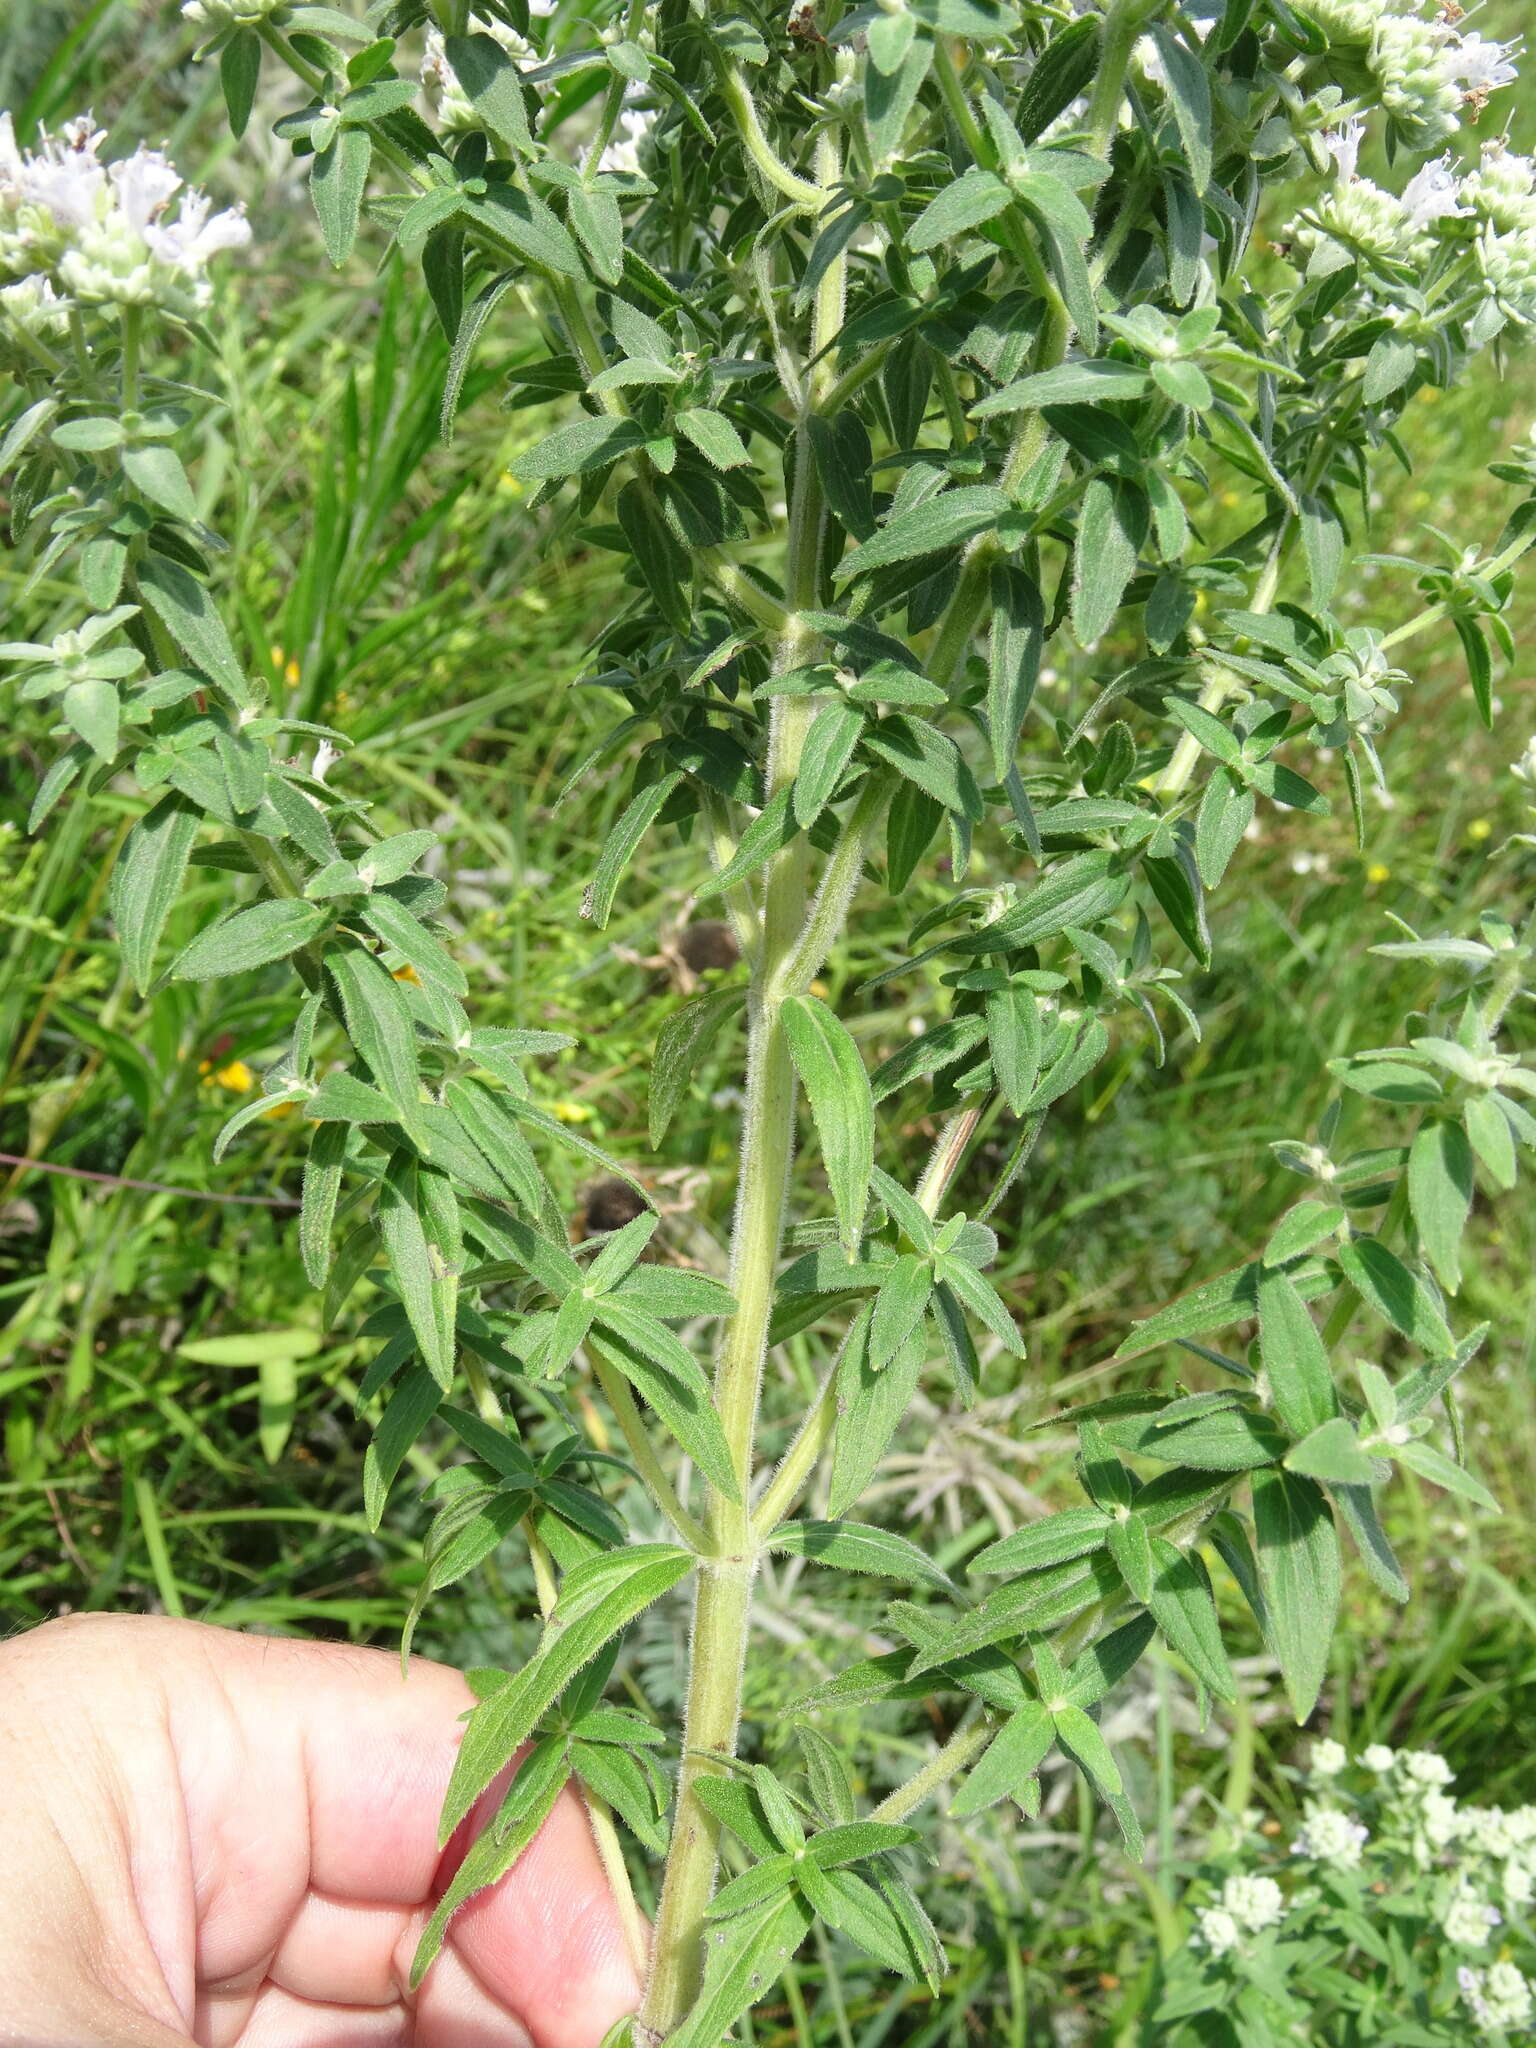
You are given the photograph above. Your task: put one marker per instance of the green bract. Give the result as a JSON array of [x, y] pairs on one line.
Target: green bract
[[985, 488]]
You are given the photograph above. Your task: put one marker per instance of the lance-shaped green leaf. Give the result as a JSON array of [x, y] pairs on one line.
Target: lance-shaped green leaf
[[1104, 1663], [714, 436], [251, 938], [1015, 644], [900, 1304], [1188, 89], [1357, 1511], [187, 612], [317, 1212], [1042, 1601], [538, 1256], [929, 759], [972, 199], [577, 447], [469, 1527], [1182, 1605], [1012, 1757], [938, 524], [1081, 891], [680, 1045], [494, 86], [1014, 1039], [1080, 1737], [922, 1057], [859, 1547], [1385, 1284], [835, 1081], [596, 1600], [1069, 1533], [492, 1130], [1087, 383], [1439, 1470], [1214, 1305], [420, 1264], [870, 1407], [1294, 1356], [541, 1778], [1233, 1439], [1303, 1226], [981, 1301], [852, 1905], [420, 948], [770, 831], [411, 1407], [628, 1787], [1440, 1194], [147, 880], [681, 1400], [829, 745], [1332, 1453], [844, 459], [673, 1293], [1299, 1575], [337, 180], [743, 1958], [1110, 529], [379, 1024]]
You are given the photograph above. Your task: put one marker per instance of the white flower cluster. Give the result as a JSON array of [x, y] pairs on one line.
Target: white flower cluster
[[1329, 1836], [1468, 1920], [1499, 1998], [1421, 69], [1247, 1906], [75, 230], [1489, 212]]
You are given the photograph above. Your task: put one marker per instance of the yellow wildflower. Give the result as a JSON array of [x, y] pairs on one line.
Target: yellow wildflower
[[236, 1076]]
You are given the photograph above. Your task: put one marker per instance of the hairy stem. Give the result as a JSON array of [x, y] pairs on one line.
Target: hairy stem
[[722, 1609], [962, 1747]]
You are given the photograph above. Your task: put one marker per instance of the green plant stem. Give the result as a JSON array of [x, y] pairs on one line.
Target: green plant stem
[[738, 900], [962, 1748], [632, 1428], [976, 140], [761, 151], [1122, 25], [839, 879], [133, 332], [722, 1609], [613, 99], [1434, 613], [1182, 762]]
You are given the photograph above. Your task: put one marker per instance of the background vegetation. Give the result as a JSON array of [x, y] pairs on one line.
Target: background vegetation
[[151, 1462]]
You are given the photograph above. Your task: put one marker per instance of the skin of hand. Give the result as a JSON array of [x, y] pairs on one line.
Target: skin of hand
[[232, 1840]]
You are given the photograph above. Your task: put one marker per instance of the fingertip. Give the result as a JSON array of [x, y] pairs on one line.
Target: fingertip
[[548, 1939]]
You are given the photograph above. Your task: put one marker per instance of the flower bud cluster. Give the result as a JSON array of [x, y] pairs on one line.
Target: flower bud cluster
[[1499, 1998], [220, 16], [76, 230], [1247, 1905]]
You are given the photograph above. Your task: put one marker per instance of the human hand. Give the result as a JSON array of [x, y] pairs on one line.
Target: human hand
[[232, 1840]]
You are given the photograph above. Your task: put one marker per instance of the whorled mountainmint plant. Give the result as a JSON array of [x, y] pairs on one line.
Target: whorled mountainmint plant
[[895, 347]]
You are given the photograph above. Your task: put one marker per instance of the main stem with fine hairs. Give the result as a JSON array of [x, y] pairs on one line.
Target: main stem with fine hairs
[[723, 1602]]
